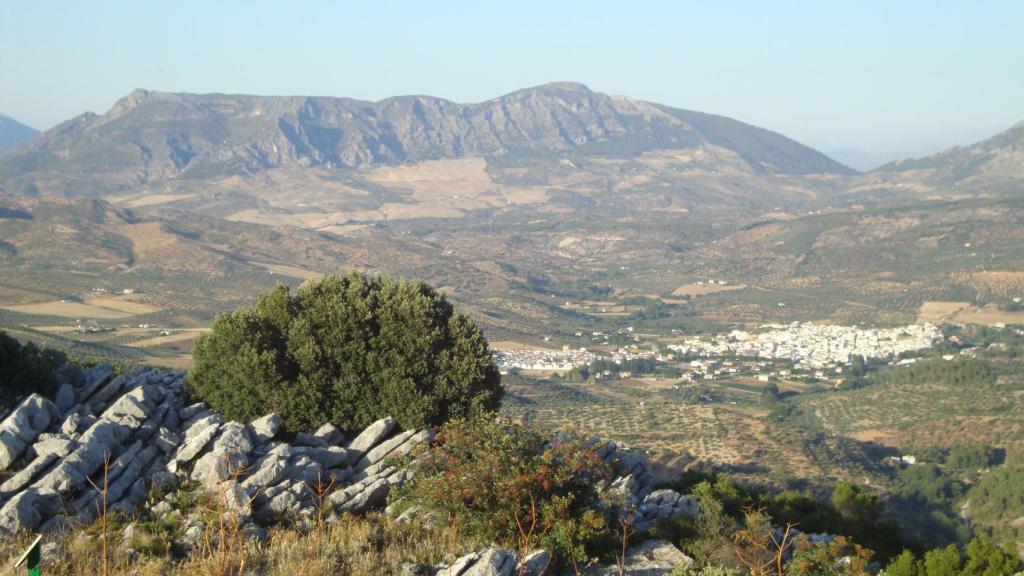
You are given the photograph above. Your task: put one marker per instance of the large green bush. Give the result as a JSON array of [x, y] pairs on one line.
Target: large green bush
[[347, 350], [25, 369]]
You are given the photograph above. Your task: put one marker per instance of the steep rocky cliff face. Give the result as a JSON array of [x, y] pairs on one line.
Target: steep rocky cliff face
[[151, 136]]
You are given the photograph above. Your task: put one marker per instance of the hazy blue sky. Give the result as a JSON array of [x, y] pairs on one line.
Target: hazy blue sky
[[833, 74]]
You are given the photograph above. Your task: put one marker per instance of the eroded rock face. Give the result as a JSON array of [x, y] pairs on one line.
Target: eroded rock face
[[133, 432], [23, 425]]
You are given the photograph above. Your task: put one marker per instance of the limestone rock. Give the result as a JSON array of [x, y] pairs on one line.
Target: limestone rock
[[65, 397], [370, 437], [269, 471], [328, 433], [380, 451], [650, 558], [489, 562], [27, 510], [493, 562], [61, 447], [95, 377], [23, 425], [27, 474], [536, 563], [266, 428], [361, 497], [195, 444], [304, 439], [218, 466]]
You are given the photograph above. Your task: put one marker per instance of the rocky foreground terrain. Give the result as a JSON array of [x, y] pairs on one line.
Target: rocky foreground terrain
[[119, 441]]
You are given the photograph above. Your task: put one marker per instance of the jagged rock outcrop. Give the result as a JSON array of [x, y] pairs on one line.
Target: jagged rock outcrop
[[636, 484], [130, 433]]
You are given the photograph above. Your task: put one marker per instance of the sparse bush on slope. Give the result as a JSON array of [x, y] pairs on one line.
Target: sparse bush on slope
[[347, 350], [498, 481]]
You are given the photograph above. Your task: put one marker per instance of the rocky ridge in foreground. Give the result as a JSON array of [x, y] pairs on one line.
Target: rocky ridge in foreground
[[135, 434]]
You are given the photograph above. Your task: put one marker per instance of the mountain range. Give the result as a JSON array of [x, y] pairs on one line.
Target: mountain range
[[149, 137]]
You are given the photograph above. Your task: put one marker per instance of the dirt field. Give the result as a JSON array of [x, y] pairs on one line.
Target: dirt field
[[513, 345], [705, 289], [989, 316], [937, 312], [179, 336], [69, 310], [290, 271], [121, 304], [150, 199]]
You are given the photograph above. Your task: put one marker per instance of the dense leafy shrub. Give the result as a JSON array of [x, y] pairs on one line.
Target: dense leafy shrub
[[25, 369], [508, 483], [346, 350]]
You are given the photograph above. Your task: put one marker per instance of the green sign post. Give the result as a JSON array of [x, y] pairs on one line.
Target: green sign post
[[31, 557]]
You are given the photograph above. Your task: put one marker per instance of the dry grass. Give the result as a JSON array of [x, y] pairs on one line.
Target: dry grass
[[351, 546]]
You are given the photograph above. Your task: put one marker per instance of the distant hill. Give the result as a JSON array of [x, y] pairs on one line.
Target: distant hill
[[14, 133], [149, 137], [995, 164]]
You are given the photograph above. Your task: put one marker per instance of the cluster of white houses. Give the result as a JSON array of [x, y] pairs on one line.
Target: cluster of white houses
[[567, 358], [815, 345], [547, 360]]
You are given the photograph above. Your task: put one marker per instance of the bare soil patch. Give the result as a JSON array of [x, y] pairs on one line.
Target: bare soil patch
[[705, 289], [937, 312], [69, 310]]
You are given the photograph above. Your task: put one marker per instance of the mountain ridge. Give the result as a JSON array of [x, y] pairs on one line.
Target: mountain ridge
[[149, 136], [997, 161]]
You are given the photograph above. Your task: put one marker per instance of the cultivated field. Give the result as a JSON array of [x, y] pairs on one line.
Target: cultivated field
[[923, 415], [653, 415]]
